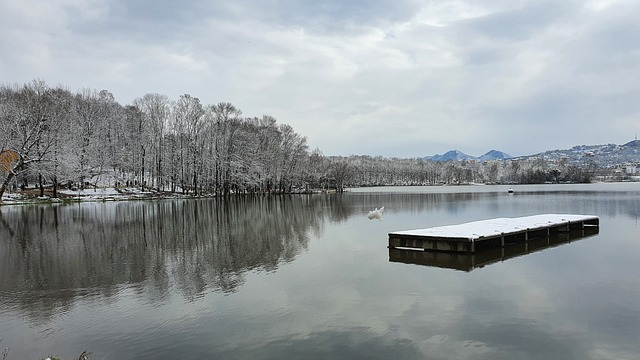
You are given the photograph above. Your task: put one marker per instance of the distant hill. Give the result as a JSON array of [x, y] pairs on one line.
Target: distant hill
[[455, 155], [495, 155], [452, 155], [602, 155], [633, 143]]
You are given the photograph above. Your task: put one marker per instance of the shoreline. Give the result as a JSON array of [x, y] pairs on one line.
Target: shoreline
[[133, 193], [108, 194]]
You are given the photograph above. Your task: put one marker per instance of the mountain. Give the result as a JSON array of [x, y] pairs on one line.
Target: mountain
[[455, 155], [494, 155], [451, 155], [601, 155]]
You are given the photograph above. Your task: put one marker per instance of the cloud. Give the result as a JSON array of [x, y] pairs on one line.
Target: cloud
[[425, 76]]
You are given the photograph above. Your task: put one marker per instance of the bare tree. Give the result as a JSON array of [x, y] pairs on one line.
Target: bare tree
[[293, 149], [156, 110], [27, 117], [226, 123], [188, 113]]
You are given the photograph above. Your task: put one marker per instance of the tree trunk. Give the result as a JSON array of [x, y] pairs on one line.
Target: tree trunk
[[10, 176], [40, 185], [142, 172], [159, 181], [55, 186], [195, 183], [4, 185]]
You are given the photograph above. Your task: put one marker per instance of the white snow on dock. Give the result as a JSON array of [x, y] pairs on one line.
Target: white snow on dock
[[490, 228]]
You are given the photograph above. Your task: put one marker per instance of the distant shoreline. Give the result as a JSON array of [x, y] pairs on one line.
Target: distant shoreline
[[109, 194]]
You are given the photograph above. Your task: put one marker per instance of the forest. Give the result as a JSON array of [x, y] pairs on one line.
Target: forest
[[51, 137]]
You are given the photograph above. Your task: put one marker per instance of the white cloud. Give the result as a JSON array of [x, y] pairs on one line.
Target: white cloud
[[430, 76], [445, 12], [599, 5], [183, 62]]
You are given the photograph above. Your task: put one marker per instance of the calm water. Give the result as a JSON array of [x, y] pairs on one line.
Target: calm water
[[310, 277]]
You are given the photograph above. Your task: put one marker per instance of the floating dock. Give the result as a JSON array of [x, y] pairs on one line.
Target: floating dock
[[470, 237], [481, 258]]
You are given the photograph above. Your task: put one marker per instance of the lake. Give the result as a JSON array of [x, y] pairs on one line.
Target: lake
[[310, 277]]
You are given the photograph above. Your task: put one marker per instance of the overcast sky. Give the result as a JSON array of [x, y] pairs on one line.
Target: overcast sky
[[393, 78]]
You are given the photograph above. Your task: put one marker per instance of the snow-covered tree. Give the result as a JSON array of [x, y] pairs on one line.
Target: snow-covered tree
[[31, 117], [156, 110]]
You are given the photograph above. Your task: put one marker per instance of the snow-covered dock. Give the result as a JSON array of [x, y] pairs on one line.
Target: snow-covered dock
[[485, 257], [468, 237]]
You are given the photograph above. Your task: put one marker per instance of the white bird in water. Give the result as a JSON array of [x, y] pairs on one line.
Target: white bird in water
[[375, 214]]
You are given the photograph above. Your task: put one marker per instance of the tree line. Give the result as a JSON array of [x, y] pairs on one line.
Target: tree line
[[52, 137], [379, 171], [49, 135]]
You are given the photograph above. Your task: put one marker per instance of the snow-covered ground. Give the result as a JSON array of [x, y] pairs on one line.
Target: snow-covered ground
[[97, 194], [104, 192]]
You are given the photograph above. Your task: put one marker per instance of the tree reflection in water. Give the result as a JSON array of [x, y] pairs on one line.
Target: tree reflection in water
[[57, 254], [151, 278], [53, 254]]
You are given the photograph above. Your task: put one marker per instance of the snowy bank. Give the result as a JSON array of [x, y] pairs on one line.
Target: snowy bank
[[87, 195]]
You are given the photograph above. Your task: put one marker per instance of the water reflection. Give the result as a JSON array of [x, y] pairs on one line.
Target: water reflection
[[583, 202], [57, 254], [480, 259], [310, 277]]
